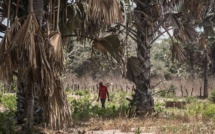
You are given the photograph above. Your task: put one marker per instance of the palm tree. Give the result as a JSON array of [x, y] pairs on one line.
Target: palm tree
[[33, 46], [36, 56]]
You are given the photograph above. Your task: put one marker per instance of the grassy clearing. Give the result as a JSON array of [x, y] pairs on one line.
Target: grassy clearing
[[198, 116]]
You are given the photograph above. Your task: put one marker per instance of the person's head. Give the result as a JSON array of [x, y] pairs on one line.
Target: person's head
[[100, 84]]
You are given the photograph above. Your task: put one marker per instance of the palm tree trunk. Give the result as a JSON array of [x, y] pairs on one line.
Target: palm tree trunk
[[142, 98], [30, 111], [21, 100]]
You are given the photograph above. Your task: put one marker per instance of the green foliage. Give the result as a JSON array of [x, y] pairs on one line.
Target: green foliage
[[210, 111], [87, 107], [81, 92], [9, 101], [82, 109], [213, 96], [138, 131], [7, 122], [1, 94], [162, 63], [170, 92]]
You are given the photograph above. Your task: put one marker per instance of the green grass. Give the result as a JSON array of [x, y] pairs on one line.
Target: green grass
[[9, 102]]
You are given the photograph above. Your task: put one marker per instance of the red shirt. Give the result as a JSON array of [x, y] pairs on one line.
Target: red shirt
[[102, 92]]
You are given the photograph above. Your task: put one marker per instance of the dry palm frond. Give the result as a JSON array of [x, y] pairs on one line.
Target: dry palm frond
[[6, 66], [104, 11], [196, 8], [15, 26], [110, 44], [78, 23], [177, 52], [56, 109], [186, 33], [53, 98], [133, 68], [172, 19], [56, 43], [24, 42]]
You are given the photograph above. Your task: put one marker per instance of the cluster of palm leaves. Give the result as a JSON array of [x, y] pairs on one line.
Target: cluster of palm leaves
[[37, 58]]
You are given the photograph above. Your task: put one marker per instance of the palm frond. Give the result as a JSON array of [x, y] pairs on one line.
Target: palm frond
[[104, 11], [57, 47], [186, 33], [196, 8], [25, 43], [6, 66], [133, 68], [111, 43], [177, 52], [172, 19]]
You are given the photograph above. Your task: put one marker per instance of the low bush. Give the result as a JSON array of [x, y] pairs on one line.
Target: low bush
[[170, 92], [210, 111], [212, 98], [1, 94], [83, 109], [9, 102], [81, 92], [7, 122]]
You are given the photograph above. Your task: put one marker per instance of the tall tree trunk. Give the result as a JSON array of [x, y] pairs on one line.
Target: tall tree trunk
[[205, 75], [213, 59], [205, 63], [142, 99]]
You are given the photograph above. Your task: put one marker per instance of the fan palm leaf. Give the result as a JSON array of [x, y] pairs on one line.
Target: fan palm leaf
[[177, 52], [133, 68], [24, 41], [186, 33], [104, 11], [112, 45]]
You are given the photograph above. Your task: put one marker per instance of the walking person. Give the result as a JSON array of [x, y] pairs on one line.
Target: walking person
[[103, 94]]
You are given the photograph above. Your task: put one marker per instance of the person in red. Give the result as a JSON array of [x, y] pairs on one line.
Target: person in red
[[103, 93]]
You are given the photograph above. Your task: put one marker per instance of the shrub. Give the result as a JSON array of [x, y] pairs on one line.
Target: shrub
[[81, 92], [210, 111], [7, 122], [1, 94], [170, 92], [83, 109], [212, 98], [9, 101]]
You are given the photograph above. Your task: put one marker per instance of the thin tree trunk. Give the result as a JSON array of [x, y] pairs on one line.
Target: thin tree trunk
[[191, 64], [206, 75], [213, 59], [205, 62]]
